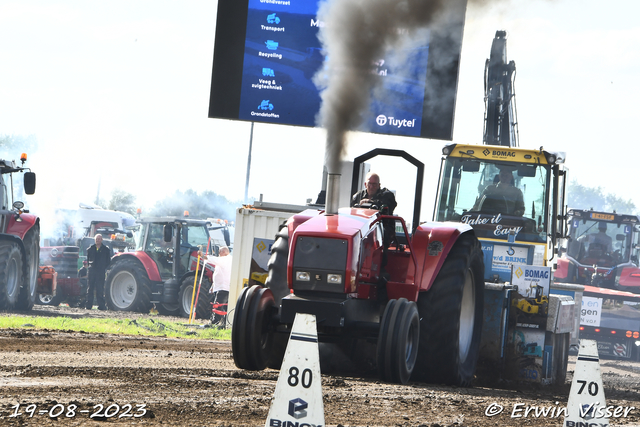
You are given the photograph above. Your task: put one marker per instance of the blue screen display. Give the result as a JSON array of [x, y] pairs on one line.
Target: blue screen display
[[273, 77]]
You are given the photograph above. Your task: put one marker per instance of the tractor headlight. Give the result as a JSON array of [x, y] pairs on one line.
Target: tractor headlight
[[303, 276], [335, 279]]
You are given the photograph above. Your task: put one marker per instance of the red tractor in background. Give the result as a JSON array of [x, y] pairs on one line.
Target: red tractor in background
[[587, 260], [162, 268], [67, 260], [19, 241], [417, 302], [68, 287]]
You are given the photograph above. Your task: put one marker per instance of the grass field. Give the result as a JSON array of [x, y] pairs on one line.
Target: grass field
[[136, 327]]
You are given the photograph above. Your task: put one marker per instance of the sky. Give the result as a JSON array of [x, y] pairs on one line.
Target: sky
[[117, 93]]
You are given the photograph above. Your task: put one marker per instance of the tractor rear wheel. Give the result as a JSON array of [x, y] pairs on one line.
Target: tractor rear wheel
[[50, 300], [185, 297], [10, 274], [27, 296], [127, 287], [277, 265], [251, 334], [451, 314], [398, 341]]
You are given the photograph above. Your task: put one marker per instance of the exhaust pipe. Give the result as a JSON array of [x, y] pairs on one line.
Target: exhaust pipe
[[333, 193]]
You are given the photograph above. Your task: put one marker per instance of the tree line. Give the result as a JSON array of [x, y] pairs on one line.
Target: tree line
[[209, 204]]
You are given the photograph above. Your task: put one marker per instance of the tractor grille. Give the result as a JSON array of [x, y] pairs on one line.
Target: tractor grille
[[320, 259]]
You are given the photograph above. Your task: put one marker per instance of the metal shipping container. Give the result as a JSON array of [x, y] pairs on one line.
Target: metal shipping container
[[253, 222]]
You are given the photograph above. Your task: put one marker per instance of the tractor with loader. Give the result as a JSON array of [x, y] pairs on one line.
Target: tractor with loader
[[477, 187], [162, 269], [19, 240]]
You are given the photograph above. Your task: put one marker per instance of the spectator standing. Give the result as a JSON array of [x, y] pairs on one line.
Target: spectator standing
[[99, 258], [221, 281]]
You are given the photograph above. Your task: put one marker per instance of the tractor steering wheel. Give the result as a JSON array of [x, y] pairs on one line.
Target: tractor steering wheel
[[367, 205]]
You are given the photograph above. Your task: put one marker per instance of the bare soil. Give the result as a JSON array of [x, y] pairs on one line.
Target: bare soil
[[67, 377]]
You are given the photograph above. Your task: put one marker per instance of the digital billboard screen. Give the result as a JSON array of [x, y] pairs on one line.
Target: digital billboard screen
[[267, 53]]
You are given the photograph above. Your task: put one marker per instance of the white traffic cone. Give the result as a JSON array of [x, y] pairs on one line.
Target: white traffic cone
[[586, 405], [297, 400]]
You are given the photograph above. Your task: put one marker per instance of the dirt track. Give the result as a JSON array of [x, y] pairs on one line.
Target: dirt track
[[188, 382]]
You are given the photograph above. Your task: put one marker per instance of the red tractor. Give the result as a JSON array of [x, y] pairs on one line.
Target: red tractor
[[417, 301], [19, 241], [162, 269], [69, 288]]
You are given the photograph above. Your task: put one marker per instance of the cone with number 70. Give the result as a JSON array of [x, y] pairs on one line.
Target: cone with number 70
[[586, 405]]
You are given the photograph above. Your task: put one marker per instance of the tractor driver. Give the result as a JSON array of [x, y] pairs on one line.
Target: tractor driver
[[598, 244], [378, 198], [374, 195], [505, 192]]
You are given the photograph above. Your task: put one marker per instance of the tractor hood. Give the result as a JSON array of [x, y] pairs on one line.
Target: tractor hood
[[327, 247], [347, 223]]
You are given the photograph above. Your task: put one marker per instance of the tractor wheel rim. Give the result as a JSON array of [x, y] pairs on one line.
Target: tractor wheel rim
[[186, 299], [123, 290], [33, 275], [12, 278], [467, 316], [45, 299], [412, 338]]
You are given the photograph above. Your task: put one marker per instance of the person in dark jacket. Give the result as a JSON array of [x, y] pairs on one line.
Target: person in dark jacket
[[378, 198], [374, 195], [99, 258]]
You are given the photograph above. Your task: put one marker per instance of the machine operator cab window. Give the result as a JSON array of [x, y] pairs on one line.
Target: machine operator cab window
[[192, 238], [600, 242], [157, 248], [495, 197], [502, 196]]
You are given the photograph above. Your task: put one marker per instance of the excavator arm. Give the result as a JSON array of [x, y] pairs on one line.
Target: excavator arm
[[500, 124]]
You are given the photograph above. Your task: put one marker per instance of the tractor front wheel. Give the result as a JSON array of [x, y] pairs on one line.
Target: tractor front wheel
[[27, 296], [451, 317], [127, 287], [397, 349], [252, 340], [50, 300], [186, 297], [277, 265]]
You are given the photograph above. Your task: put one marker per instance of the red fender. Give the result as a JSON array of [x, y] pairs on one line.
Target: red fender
[[630, 279], [146, 261], [20, 228], [432, 242]]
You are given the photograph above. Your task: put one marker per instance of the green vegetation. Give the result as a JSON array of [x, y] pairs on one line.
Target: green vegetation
[[583, 197], [143, 326]]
